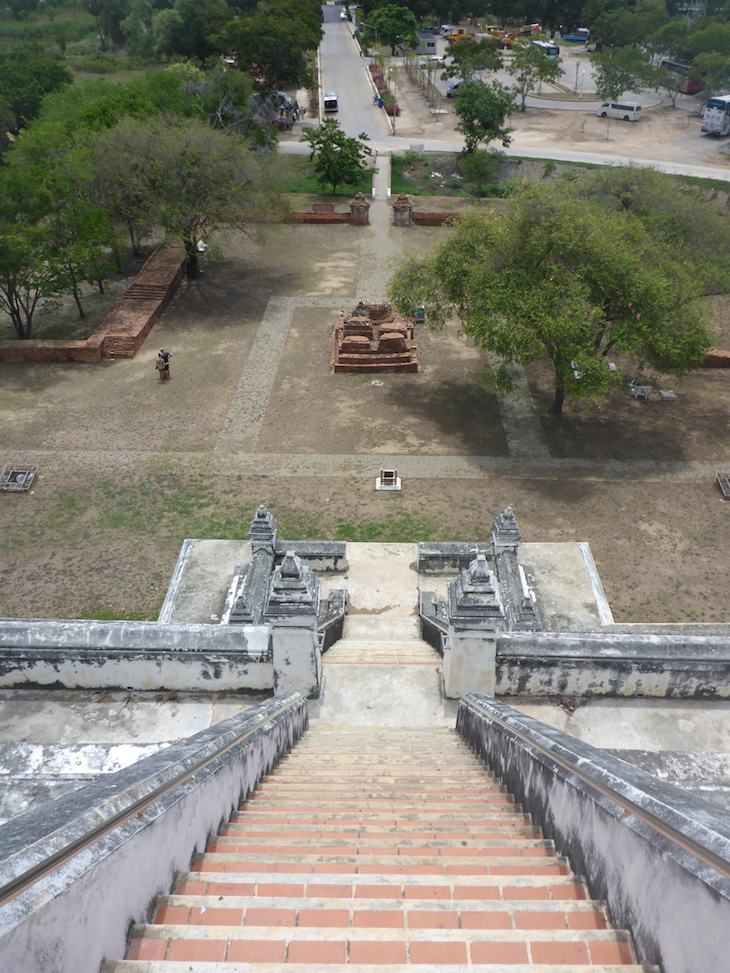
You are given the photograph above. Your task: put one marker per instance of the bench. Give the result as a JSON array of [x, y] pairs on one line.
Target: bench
[[641, 391]]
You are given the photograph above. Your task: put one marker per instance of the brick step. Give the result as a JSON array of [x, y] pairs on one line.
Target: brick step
[[373, 818], [518, 863], [499, 914], [186, 966], [405, 830], [458, 880], [293, 805], [371, 788], [537, 879], [232, 843], [383, 854], [233, 943]]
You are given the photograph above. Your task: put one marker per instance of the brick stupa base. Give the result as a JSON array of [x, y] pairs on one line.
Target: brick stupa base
[[374, 339]]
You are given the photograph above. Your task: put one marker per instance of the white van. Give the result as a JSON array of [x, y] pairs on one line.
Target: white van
[[330, 102], [629, 111]]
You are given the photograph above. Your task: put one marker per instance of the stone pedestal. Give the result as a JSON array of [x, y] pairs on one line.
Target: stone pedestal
[[359, 210], [402, 210]]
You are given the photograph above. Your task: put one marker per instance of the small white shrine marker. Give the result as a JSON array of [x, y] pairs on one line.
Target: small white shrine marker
[[387, 480]]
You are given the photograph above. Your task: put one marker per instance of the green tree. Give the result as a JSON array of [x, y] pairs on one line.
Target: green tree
[[181, 175], [472, 61], [531, 66], [621, 69], [189, 28], [574, 277], [338, 159], [26, 77], [620, 23], [395, 25], [483, 110], [714, 70], [269, 48]]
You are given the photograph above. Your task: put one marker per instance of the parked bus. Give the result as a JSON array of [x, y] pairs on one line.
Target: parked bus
[[552, 50], [716, 117], [685, 83]]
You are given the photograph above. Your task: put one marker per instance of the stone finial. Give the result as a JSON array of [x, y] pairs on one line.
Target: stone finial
[[505, 532], [479, 570], [294, 589], [359, 210], [474, 598], [291, 567], [263, 529]]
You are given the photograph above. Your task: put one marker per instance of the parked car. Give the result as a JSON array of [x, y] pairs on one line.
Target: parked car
[[453, 88]]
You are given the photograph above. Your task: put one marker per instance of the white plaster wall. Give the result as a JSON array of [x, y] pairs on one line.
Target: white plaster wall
[[73, 920]]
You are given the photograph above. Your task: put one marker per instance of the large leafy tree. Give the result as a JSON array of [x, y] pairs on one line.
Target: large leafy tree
[[338, 159], [271, 50], [394, 25], [181, 175], [189, 27], [621, 69], [483, 110], [577, 277], [471, 61], [26, 77], [530, 66]]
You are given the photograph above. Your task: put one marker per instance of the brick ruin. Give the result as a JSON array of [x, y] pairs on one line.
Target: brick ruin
[[374, 339]]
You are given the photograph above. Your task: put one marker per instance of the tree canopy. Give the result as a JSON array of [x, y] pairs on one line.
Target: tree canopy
[[621, 69], [181, 175], [338, 158], [394, 25], [619, 264], [530, 66], [26, 77], [483, 110]]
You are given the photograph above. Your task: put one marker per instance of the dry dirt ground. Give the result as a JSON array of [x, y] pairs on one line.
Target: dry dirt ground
[[662, 133], [129, 467]]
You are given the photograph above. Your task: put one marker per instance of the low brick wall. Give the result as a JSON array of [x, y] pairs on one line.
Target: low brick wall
[[434, 219], [317, 218], [716, 359], [126, 326], [53, 351]]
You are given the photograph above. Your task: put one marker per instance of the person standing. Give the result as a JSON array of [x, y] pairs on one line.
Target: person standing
[[165, 359], [160, 367]]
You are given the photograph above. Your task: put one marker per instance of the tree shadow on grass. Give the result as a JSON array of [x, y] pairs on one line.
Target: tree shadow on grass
[[463, 411]]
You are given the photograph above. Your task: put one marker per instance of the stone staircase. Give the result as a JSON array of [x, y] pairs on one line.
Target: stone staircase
[[378, 846]]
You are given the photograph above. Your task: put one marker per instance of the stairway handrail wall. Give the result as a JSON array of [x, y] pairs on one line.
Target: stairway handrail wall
[[659, 857], [79, 871]]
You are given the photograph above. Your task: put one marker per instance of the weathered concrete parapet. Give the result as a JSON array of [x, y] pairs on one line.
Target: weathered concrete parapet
[[134, 830], [475, 618], [402, 210], [657, 855], [359, 210], [292, 609]]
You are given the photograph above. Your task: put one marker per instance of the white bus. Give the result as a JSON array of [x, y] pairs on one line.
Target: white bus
[[330, 102], [552, 50], [716, 117]]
